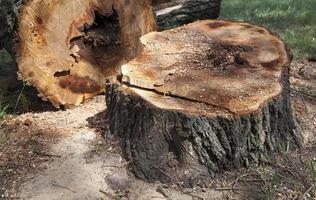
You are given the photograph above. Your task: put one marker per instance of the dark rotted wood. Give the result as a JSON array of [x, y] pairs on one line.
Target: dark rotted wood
[[194, 109], [67, 49], [173, 13]]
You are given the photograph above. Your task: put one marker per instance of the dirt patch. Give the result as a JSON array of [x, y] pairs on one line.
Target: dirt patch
[[303, 86], [24, 144], [71, 155]]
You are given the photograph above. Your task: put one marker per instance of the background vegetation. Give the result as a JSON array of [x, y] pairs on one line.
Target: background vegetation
[[293, 20]]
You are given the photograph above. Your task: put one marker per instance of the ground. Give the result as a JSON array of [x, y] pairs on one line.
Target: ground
[[62, 155], [53, 154], [71, 155]]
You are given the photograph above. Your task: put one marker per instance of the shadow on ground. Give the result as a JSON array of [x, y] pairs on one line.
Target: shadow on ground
[[20, 97]]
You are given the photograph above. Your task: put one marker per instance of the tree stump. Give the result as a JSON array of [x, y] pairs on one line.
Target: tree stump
[[173, 13], [203, 98], [67, 49]]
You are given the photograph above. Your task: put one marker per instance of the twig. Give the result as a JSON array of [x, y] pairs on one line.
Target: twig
[[108, 194], [296, 174], [255, 180], [301, 158], [178, 183], [188, 193], [303, 197], [116, 166], [237, 179], [18, 100], [60, 186], [229, 189], [46, 154], [26, 180], [309, 96], [165, 173]]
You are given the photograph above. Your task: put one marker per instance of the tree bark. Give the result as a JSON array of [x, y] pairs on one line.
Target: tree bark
[[204, 98], [67, 49], [173, 13]]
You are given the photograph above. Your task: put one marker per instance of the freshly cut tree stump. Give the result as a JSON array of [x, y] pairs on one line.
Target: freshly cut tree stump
[[66, 48], [203, 98], [173, 13]]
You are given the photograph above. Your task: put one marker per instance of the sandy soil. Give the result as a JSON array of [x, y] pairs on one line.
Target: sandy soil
[[80, 164], [70, 155]]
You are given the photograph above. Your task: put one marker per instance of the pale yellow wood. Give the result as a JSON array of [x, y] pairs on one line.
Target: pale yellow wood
[[49, 61], [233, 66]]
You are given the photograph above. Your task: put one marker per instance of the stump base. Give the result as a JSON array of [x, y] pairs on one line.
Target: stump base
[[165, 136], [183, 115]]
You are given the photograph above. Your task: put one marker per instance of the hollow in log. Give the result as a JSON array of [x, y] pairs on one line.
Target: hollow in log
[[67, 49], [203, 98]]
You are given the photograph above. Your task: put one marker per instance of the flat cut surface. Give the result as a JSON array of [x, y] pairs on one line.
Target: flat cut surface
[[234, 66], [67, 48]]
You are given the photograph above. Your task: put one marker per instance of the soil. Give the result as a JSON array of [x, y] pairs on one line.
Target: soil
[[71, 155]]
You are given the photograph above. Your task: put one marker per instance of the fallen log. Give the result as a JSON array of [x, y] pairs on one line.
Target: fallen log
[[67, 49], [173, 13], [203, 98]]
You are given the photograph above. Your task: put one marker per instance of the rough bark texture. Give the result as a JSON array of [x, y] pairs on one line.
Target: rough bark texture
[[67, 49], [173, 13], [174, 137]]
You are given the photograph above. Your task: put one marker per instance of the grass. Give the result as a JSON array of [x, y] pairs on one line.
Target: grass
[[5, 56], [285, 178], [293, 20], [3, 110]]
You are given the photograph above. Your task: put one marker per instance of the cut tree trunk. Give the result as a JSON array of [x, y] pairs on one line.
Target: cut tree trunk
[[173, 13], [67, 49], [203, 98]]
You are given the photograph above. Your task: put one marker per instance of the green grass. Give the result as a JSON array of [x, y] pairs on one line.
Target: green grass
[[293, 20], [3, 110], [5, 56]]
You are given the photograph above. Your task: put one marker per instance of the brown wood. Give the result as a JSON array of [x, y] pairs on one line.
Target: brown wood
[[173, 13], [233, 66], [67, 49], [203, 98]]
